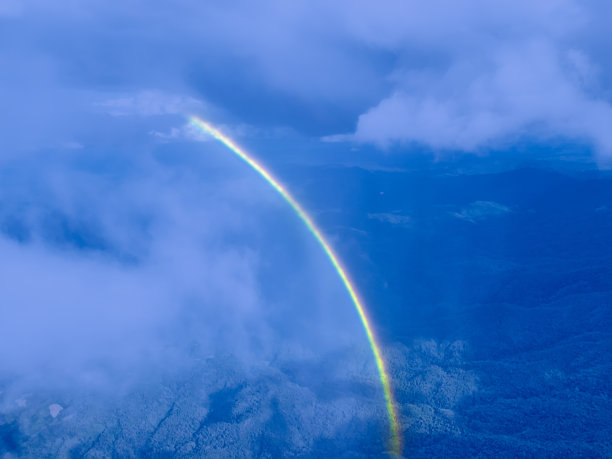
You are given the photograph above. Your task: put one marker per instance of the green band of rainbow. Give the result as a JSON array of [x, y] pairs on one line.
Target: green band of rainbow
[[380, 364]]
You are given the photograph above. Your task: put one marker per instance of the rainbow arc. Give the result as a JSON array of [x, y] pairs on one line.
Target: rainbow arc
[[395, 438]]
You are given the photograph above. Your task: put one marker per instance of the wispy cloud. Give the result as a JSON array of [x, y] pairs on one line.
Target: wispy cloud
[[145, 263], [150, 103], [392, 218], [480, 210]]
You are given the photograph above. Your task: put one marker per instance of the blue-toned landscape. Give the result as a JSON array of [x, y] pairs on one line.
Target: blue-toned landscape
[[159, 298]]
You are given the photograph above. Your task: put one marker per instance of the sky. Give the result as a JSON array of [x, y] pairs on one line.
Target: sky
[[133, 245], [449, 77]]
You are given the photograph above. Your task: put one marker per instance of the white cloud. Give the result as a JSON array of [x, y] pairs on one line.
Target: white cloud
[[151, 103], [494, 72], [523, 89], [480, 210], [186, 131], [442, 74], [392, 218], [190, 132], [140, 265]]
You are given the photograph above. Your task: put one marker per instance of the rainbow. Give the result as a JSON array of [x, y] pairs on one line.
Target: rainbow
[[380, 364]]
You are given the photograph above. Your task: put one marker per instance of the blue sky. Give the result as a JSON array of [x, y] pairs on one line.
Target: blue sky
[[134, 247]]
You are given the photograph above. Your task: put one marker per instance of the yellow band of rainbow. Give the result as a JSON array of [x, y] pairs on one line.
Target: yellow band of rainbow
[[380, 364]]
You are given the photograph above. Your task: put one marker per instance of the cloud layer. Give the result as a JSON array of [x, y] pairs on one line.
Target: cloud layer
[[441, 75], [110, 274]]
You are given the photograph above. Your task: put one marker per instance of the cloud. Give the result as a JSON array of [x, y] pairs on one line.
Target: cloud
[[186, 131], [479, 75], [440, 75], [524, 89], [236, 131], [392, 218], [150, 103], [102, 269], [110, 275], [480, 210]]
